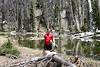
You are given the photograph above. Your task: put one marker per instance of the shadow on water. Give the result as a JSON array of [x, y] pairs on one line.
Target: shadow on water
[[90, 49], [32, 43]]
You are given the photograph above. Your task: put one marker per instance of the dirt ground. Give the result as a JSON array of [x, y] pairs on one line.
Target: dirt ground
[[3, 39], [27, 53]]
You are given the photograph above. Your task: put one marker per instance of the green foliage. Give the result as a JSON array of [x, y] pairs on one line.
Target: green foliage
[[7, 45], [69, 44], [97, 48], [7, 48], [15, 52], [97, 32], [2, 34], [84, 28], [86, 48]]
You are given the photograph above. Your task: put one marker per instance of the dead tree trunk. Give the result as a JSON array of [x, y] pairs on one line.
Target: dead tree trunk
[[3, 15], [51, 57]]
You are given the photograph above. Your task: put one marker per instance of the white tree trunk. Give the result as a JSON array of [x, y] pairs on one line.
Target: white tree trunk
[[90, 6], [99, 7], [72, 14], [78, 15]]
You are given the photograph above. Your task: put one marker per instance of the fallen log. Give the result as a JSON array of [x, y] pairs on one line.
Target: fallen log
[[48, 58], [55, 58]]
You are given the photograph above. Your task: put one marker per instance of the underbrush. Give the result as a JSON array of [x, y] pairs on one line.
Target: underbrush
[[7, 48]]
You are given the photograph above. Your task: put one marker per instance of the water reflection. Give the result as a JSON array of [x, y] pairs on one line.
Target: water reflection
[[86, 47], [82, 48]]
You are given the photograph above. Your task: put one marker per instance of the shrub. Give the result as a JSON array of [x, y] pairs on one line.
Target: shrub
[[7, 48], [7, 45]]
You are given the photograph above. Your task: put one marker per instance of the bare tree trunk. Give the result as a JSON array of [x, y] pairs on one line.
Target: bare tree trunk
[[59, 21], [3, 14], [77, 14], [99, 9], [72, 15], [90, 15], [83, 12]]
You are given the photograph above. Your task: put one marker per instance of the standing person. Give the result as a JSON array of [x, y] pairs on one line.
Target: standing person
[[48, 39]]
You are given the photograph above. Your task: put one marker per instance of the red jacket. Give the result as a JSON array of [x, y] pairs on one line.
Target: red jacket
[[48, 38]]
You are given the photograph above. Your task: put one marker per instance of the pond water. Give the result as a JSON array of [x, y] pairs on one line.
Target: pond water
[[85, 47]]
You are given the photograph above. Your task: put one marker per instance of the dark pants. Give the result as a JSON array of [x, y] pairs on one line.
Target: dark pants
[[48, 47]]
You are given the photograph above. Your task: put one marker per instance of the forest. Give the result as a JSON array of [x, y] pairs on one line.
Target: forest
[[76, 25], [77, 16]]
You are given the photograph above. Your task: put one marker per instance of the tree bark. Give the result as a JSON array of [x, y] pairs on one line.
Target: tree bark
[[56, 58], [99, 9]]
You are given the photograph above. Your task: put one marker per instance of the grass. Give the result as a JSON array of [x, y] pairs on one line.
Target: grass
[[7, 48]]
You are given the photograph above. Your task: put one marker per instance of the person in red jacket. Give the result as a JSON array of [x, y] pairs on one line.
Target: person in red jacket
[[48, 39]]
